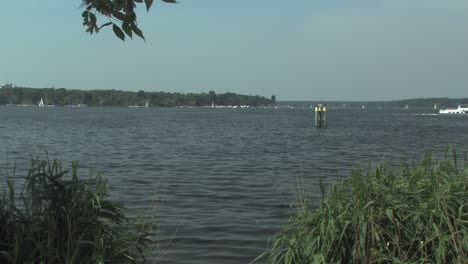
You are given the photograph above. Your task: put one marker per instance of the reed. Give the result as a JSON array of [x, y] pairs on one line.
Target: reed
[[415, 215], [58, 218]]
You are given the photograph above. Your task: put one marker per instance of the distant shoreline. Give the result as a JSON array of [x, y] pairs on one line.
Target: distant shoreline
[[22, 96], [417, 102], [11, 95]]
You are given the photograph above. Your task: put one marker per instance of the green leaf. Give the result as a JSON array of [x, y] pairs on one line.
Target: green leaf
[[137, 31], [148, 4], [389, 213], [85, 18], [105, 25], [126, 28], [118, 32], [119, 15], [93, 18]]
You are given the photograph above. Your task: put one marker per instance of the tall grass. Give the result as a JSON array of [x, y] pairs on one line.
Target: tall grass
[[416, 215], [55, 218]]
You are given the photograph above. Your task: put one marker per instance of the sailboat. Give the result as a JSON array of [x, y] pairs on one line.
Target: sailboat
[[212, 104], [147, 104], [435, 106], [363, 107], [41, 103], [406, 107]]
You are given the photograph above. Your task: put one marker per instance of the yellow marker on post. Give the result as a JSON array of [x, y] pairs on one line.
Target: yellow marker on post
[[321, 115]]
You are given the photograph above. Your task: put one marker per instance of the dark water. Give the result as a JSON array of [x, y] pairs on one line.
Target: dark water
[[224, 179]]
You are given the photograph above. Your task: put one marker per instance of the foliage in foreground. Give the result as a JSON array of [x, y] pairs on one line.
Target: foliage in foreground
[[54, 220], [119, 13], [418, 215]]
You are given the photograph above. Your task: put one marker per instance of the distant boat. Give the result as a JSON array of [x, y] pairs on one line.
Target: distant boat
[[212, 104], [78, 105], [363, 107], [461, 110], [139, 106], [435, 106], [41, 103], [406, 107]]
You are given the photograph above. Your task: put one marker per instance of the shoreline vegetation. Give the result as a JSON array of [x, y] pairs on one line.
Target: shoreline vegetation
[[11, 95], [53, 216], [21, 96], [418, 214]]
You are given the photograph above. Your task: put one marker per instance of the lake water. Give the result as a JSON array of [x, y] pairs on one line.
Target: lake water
[[224, 179]]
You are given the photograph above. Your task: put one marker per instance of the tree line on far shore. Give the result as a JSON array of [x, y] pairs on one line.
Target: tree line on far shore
[[429, 102], [61, 97]]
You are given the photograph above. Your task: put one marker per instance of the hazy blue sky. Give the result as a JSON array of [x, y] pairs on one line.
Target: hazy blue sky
[[298, 50]]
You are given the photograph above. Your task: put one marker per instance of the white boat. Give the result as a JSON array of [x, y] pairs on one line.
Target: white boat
[[435, 106], [458, 111], [41, 103], [406, 107], [363, 107], [139, 106]]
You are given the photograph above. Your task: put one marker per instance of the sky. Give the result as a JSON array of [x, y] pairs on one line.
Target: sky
[[307, 50]]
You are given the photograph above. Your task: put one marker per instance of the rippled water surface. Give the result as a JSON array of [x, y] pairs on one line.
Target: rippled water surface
[[224, 178]]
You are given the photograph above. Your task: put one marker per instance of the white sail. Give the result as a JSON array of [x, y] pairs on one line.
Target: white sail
[[435, 106], [147, 104], [41, 103], [406, 107]]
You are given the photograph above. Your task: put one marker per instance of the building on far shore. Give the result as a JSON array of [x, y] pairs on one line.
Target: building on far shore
[[7, 85]]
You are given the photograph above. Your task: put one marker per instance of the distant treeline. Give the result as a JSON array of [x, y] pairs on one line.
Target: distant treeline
[[430, 102], [418, 102], [61, 97]]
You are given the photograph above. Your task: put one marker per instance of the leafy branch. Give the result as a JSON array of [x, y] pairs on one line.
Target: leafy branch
[[120, 13]]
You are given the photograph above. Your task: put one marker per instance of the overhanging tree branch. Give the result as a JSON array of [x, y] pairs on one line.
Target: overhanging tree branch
[[120, 13]]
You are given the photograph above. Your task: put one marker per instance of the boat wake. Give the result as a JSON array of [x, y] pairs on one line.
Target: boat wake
[[421, 114]]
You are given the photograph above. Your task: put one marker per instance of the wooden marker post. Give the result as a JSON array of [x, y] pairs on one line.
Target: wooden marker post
[[320, 116]]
